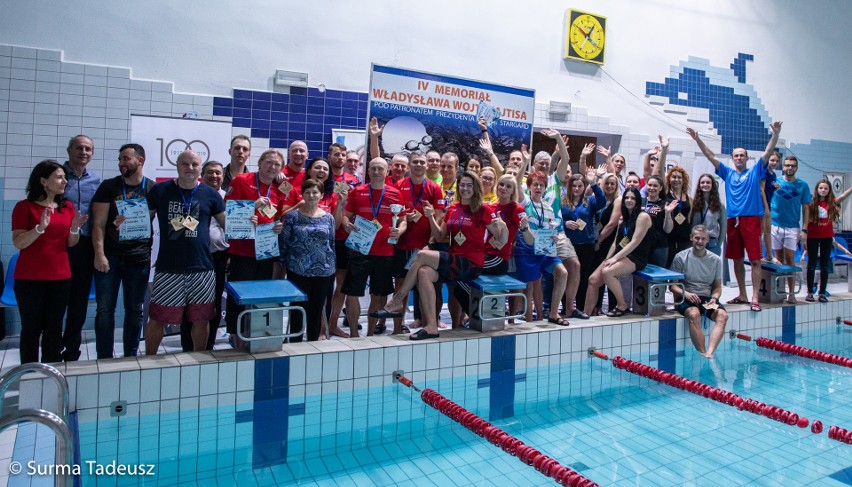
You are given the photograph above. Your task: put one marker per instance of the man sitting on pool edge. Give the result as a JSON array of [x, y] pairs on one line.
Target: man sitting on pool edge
[[702, 271]]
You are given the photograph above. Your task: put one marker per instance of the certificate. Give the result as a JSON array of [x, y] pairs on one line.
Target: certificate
[[265, 242], [238, 224], [362, 240], [137, 219], [545, 243]]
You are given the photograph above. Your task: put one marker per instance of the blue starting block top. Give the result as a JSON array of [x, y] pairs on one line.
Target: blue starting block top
[[264, 292], [496, 283], [779, 268], [656, 273]]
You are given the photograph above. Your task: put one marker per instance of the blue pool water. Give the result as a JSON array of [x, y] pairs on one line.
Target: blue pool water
[[613, 427]]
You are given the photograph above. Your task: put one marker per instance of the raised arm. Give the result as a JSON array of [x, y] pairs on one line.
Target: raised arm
[[704, 149], [375, 132], [664, 150], [843, 195], [646, 163], [606, 152], [488, 148], [562, 167], [775, 127]]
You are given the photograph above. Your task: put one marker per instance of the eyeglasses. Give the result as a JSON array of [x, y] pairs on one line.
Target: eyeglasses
[[487, 178]]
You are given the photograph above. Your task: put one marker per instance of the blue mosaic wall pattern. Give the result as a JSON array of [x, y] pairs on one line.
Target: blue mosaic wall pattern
[[735, 110], [303, 114]]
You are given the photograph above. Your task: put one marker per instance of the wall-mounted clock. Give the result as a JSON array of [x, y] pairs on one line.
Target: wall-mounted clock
[[586, 37]]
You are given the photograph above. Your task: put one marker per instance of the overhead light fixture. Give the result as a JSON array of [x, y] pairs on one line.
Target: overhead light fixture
[[290, 78]]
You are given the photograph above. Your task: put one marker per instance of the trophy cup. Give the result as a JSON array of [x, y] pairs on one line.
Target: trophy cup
[[396, 210]]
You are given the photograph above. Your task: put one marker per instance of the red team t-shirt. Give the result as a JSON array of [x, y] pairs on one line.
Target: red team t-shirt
[[359, 203], [822, 228], [295, 178], [414, 195], [511, 214], [46, 259], [245, 187], [459, 218]]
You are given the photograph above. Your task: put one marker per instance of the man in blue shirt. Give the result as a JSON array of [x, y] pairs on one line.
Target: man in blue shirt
[[744, 202], [82, 184], [789, 208]]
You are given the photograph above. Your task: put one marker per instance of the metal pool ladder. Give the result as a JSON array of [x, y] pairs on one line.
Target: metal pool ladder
[[56, 422]]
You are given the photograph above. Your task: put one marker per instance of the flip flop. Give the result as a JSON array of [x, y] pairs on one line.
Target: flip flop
[[617, 313], [559, 321], [383, 313], [422, 335], [755, 306], [737, 300]]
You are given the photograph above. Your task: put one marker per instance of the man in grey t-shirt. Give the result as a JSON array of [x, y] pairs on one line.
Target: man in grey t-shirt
[[702, 286]]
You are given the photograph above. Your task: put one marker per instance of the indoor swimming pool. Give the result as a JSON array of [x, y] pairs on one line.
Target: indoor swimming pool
[[611, 426]]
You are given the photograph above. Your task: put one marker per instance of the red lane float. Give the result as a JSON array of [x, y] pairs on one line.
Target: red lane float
[[601, 355], [743, 336], [508, 443], [840, 434], [847, 322], [804, 352], [710, 392]]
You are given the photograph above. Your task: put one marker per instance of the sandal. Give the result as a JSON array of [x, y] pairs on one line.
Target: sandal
[[579, 314], [617, 312], [422, 335], [755, 306], [737, 300], [559, 321]]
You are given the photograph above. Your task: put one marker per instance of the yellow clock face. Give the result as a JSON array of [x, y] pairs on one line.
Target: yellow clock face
[[586, 37]]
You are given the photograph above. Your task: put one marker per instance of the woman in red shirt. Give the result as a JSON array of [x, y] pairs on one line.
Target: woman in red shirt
[[823, 213], [465, 223], [43, 227]]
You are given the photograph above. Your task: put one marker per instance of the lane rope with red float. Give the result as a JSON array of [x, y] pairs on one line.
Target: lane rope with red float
[[792, 349], [724, 397], [496, 436]]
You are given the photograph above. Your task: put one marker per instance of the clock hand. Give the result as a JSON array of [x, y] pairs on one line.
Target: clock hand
[[594, 43], [582, 31]]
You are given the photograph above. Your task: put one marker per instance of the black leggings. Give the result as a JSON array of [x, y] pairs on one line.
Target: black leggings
[[316, 289], [818, 247]]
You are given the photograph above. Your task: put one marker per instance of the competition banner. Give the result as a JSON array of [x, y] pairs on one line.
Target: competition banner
[[424, 111], [164, 138]]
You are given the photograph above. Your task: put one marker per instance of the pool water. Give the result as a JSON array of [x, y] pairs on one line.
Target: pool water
[[613, 427]]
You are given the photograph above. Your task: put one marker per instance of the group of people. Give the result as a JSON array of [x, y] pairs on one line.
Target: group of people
[[419, 221]]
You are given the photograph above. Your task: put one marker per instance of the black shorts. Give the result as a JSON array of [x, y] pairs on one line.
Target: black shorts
[[454, 267], [400, 258], [375, 268], [685, 305], [341, 254]]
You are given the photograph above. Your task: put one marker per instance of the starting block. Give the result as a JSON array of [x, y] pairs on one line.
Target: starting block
[[649, 290], [772, 282], [261, 324], [848, 260], [488, 301]]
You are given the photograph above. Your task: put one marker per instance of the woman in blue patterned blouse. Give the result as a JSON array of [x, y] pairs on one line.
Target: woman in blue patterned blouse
[[307, 253]]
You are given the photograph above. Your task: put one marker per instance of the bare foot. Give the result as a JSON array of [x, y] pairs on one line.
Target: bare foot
[[791, 299], [336, 331], [443, 325], [394, 305], [322, 338], [708, 355]]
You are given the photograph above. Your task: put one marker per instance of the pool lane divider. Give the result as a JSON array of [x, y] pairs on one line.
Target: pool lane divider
[[714, 393], [792, 349], [847, 322], [496, 436]]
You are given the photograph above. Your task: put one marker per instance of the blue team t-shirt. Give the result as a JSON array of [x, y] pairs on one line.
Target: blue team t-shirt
[[742, 190], [184, 250], [787, 201], [769, 188]]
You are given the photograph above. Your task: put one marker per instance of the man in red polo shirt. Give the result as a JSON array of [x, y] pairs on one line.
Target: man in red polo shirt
[[269, 199], [416, 190], [372, 202], [294, 171]]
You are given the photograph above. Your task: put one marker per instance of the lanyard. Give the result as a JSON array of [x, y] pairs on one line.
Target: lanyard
[[538, 215], [461, 211], [375, 209], [187, 204], [268, 190], [704, 215], [417, 199], [124, 189]]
